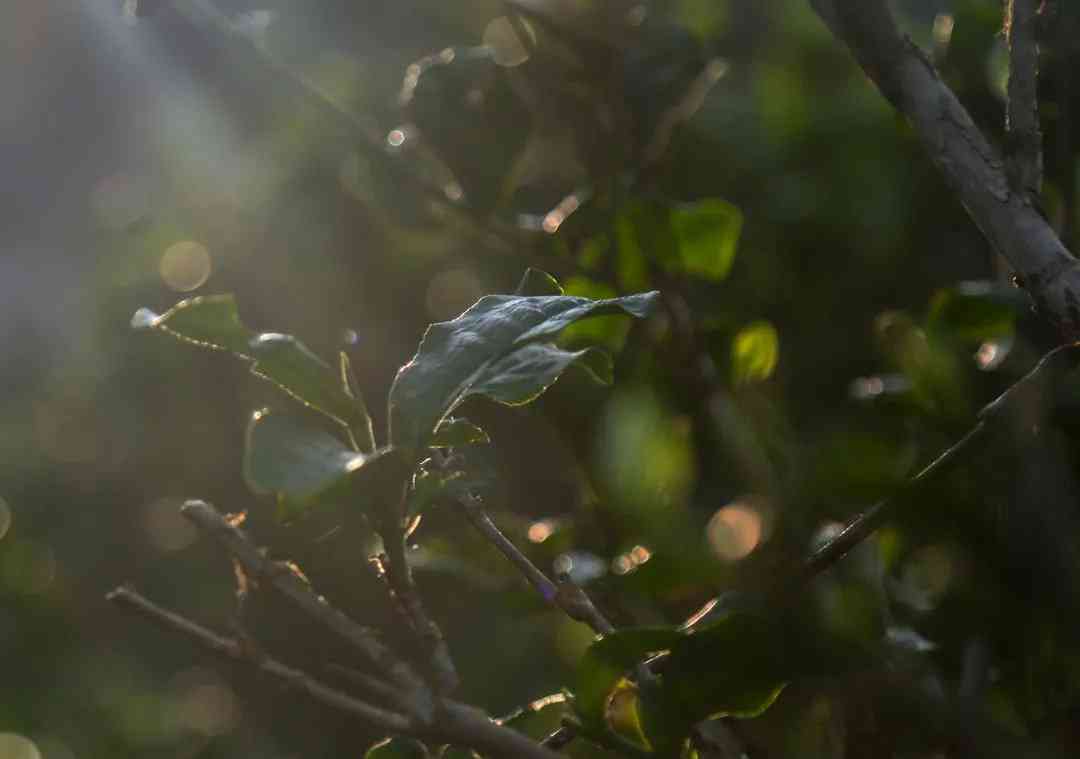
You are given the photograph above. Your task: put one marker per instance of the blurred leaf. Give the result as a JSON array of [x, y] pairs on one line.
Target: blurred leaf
[[397, 748], [608, 331], [606, 662], [644, 234], [976, 311], [538, 282], [304, 465], [708, 234], [213, 321], [457, 431], [492, 349], [754, 353]]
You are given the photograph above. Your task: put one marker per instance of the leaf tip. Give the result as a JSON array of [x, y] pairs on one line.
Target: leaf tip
[[144, 318]]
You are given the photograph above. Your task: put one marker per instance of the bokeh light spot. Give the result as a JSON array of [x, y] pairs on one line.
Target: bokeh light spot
[[185, 266], [944, 23], [735, 531], [450, 292], [15, 746], [396, 138], [541, 530], [203, 702], [29, 568], [165, 527], [5, 518], [504, 37]]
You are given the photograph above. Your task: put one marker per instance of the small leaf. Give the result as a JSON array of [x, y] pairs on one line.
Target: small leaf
[[304, 465], [754, 353], [708, 234], [397, 748], [213, 321], [606, 662], [455, 432], [476, 353], [538, 282]]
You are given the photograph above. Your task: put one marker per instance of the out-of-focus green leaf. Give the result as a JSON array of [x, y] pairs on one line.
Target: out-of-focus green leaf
[[707, 233], [499, 348], [397, 748], [976, 311], [213, 321], [754, 353], [303, 465], [644, 234], [606, 662], [607, 331], [456, 431]]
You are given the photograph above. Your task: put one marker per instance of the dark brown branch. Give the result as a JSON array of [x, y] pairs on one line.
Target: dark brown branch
[[399, 578], [362, 639], [371, 715], [568, 596], [457, 723], [970, 165], [1022, 116]]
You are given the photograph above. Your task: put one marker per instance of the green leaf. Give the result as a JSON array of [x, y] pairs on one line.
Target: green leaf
[[735, 666], [499, 348], [538, 282], [213, 321], [606, 662], [708, 234], [397, 748], [304, 465], [754, 353], [456, 432]]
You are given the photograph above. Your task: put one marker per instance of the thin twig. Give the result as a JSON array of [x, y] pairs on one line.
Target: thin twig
[[1022, 115], [568, 596], [399, 579], [973, 169], [374, 716], [867, 522], [362, 639]]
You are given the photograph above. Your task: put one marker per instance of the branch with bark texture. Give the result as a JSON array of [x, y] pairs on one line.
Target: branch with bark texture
[[401, 711], [971, 166], [1022, 116]]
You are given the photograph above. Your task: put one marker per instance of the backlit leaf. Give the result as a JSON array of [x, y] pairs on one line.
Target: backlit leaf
[[304, 465], [213, 321], [500, 348], [708, 234]]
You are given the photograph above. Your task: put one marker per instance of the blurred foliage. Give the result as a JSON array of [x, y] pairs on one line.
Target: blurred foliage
[[353, 171]]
